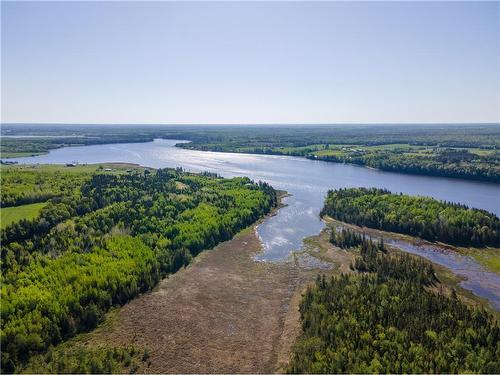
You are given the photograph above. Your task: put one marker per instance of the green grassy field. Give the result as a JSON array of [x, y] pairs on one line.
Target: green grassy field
[[11, 215], [8, 155], [347, 149], [489, 257]]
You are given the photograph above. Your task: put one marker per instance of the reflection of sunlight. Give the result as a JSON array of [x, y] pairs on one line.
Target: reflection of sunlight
[[278, 241], [307, 181]]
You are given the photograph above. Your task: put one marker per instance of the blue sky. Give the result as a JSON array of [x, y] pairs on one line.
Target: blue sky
[[253, 62]]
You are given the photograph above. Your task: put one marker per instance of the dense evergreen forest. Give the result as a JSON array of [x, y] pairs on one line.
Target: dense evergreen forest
[[387, 320], [459, 151], [82, 360], [423, 217], [99, 245]]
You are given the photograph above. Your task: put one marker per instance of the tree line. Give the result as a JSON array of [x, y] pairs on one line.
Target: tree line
[[82, 360], [448, 163]]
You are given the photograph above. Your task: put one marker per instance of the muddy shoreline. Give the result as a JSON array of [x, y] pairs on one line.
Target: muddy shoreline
[[223, 313]]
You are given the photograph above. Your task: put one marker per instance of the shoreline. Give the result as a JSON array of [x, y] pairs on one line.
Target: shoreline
[[312, 158], [420, 242], [451, 277], [33, 154]]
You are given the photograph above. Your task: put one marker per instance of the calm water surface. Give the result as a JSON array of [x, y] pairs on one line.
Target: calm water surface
[[307, 181]]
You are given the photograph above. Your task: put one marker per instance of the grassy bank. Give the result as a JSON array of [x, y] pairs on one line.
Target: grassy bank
[[9, 215], [490, 258]]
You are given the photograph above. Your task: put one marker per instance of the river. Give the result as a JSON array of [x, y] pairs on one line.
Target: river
[[307, 181]]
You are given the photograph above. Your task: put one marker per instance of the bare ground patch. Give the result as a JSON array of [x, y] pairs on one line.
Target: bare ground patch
[[224, 313], [319, 246]]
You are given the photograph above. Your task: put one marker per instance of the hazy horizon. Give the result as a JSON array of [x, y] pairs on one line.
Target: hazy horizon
[[262, 124], [281, 63]]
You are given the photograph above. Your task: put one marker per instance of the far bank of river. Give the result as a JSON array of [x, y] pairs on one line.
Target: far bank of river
[[307, 181]]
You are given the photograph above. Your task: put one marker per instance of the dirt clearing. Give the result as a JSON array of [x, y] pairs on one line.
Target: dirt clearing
[[224, 313]]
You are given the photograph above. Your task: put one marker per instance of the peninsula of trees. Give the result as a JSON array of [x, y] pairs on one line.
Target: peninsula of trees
[[99, 244], [422, 217]]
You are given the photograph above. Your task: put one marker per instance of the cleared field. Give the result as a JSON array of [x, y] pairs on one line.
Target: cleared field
[[489, 257], [11, 215], [225, 313]]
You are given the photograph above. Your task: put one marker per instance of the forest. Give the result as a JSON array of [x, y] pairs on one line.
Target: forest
[[422, 217], [387, 319], [81, 360], [100, 244], [458, 151]]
